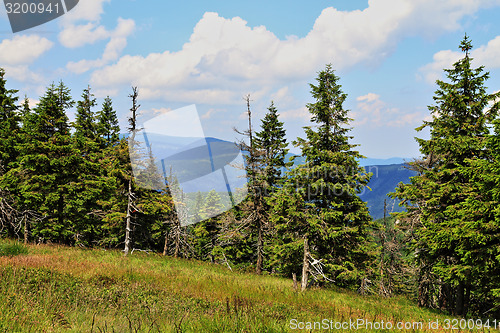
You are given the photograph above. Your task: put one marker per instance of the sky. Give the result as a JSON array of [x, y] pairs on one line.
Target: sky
[[212, 53]]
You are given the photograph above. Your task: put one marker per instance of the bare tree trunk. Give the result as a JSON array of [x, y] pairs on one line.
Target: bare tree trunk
[[382, 290], [165, 246], [25, 229], [127, 227], [305, 265], [294, 278], [260, 242], [177, 239], [132, 130]]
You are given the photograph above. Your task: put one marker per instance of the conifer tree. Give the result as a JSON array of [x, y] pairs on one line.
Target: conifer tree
[[47, 165], [271, 141], [85, 123], [480, 213], [449, 240], [9, 125], [269, 151], [9, 139], [107, 127], [254, 207], [335, 227], [95, 183]]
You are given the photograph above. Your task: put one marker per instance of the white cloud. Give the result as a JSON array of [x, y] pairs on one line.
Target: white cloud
[[222, 54], [211, 112], [87, 10], [281, 94], [372, 111], [22, 73], [485, 55], [84, 34], [434, 70], [23, 49], [298, 113], [101, 93], [76, 34], [32, 102], [79, 35]]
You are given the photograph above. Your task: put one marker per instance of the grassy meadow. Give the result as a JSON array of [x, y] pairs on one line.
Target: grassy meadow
[[47, 288]]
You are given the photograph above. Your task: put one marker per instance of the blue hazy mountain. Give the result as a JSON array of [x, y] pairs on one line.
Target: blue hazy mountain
[[387, 174], [386, 161], [384, 180], [197, 163], [193, 157]]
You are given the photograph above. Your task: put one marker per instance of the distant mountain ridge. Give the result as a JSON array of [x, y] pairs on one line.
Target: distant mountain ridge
[[379, 161], [387, 173], [384, 180]]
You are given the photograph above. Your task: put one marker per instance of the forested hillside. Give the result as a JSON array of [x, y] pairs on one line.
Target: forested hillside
[[384, 180], [72, 183]]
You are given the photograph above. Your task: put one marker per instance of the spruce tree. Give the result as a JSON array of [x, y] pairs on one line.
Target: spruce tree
[[47, 165], [9, 139], [480, 213], [449, 239], [271, 141], [335, 220], [270, 149], [107, 127], [95, 183], [9, 125], [85, 124]]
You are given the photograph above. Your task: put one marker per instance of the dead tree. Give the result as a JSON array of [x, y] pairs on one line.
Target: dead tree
[[305, 265], [256, 206], [132, 146]]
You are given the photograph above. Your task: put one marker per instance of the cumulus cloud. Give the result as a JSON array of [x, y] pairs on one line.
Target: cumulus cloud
[[76, 34], [18, 53], [434, 70], [23, 73], [223, 53], [79, 35], [485, 55], [117, 42], [87, 10], [372, 111], [23, 49], [297, 113]]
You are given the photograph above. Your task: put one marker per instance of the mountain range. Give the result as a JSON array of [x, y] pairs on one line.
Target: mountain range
[[188, 152]]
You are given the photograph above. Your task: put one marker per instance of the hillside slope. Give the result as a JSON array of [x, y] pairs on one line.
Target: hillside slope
[[384, 180], [60, 289]]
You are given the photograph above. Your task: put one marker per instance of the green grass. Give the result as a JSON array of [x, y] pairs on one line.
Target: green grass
[[61, 289], [12, 249]]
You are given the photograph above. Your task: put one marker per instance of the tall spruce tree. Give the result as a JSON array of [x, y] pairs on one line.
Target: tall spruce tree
[[47, 165], [245, 228], [333, 219], [95, 184], [270, 147], [107, 127], [9, 125], [271, 142], [480, 213], [450, 239], [85, 124], [9, 139]]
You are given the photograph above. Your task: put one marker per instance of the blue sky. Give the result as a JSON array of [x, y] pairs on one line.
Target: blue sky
[[387, 53]]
